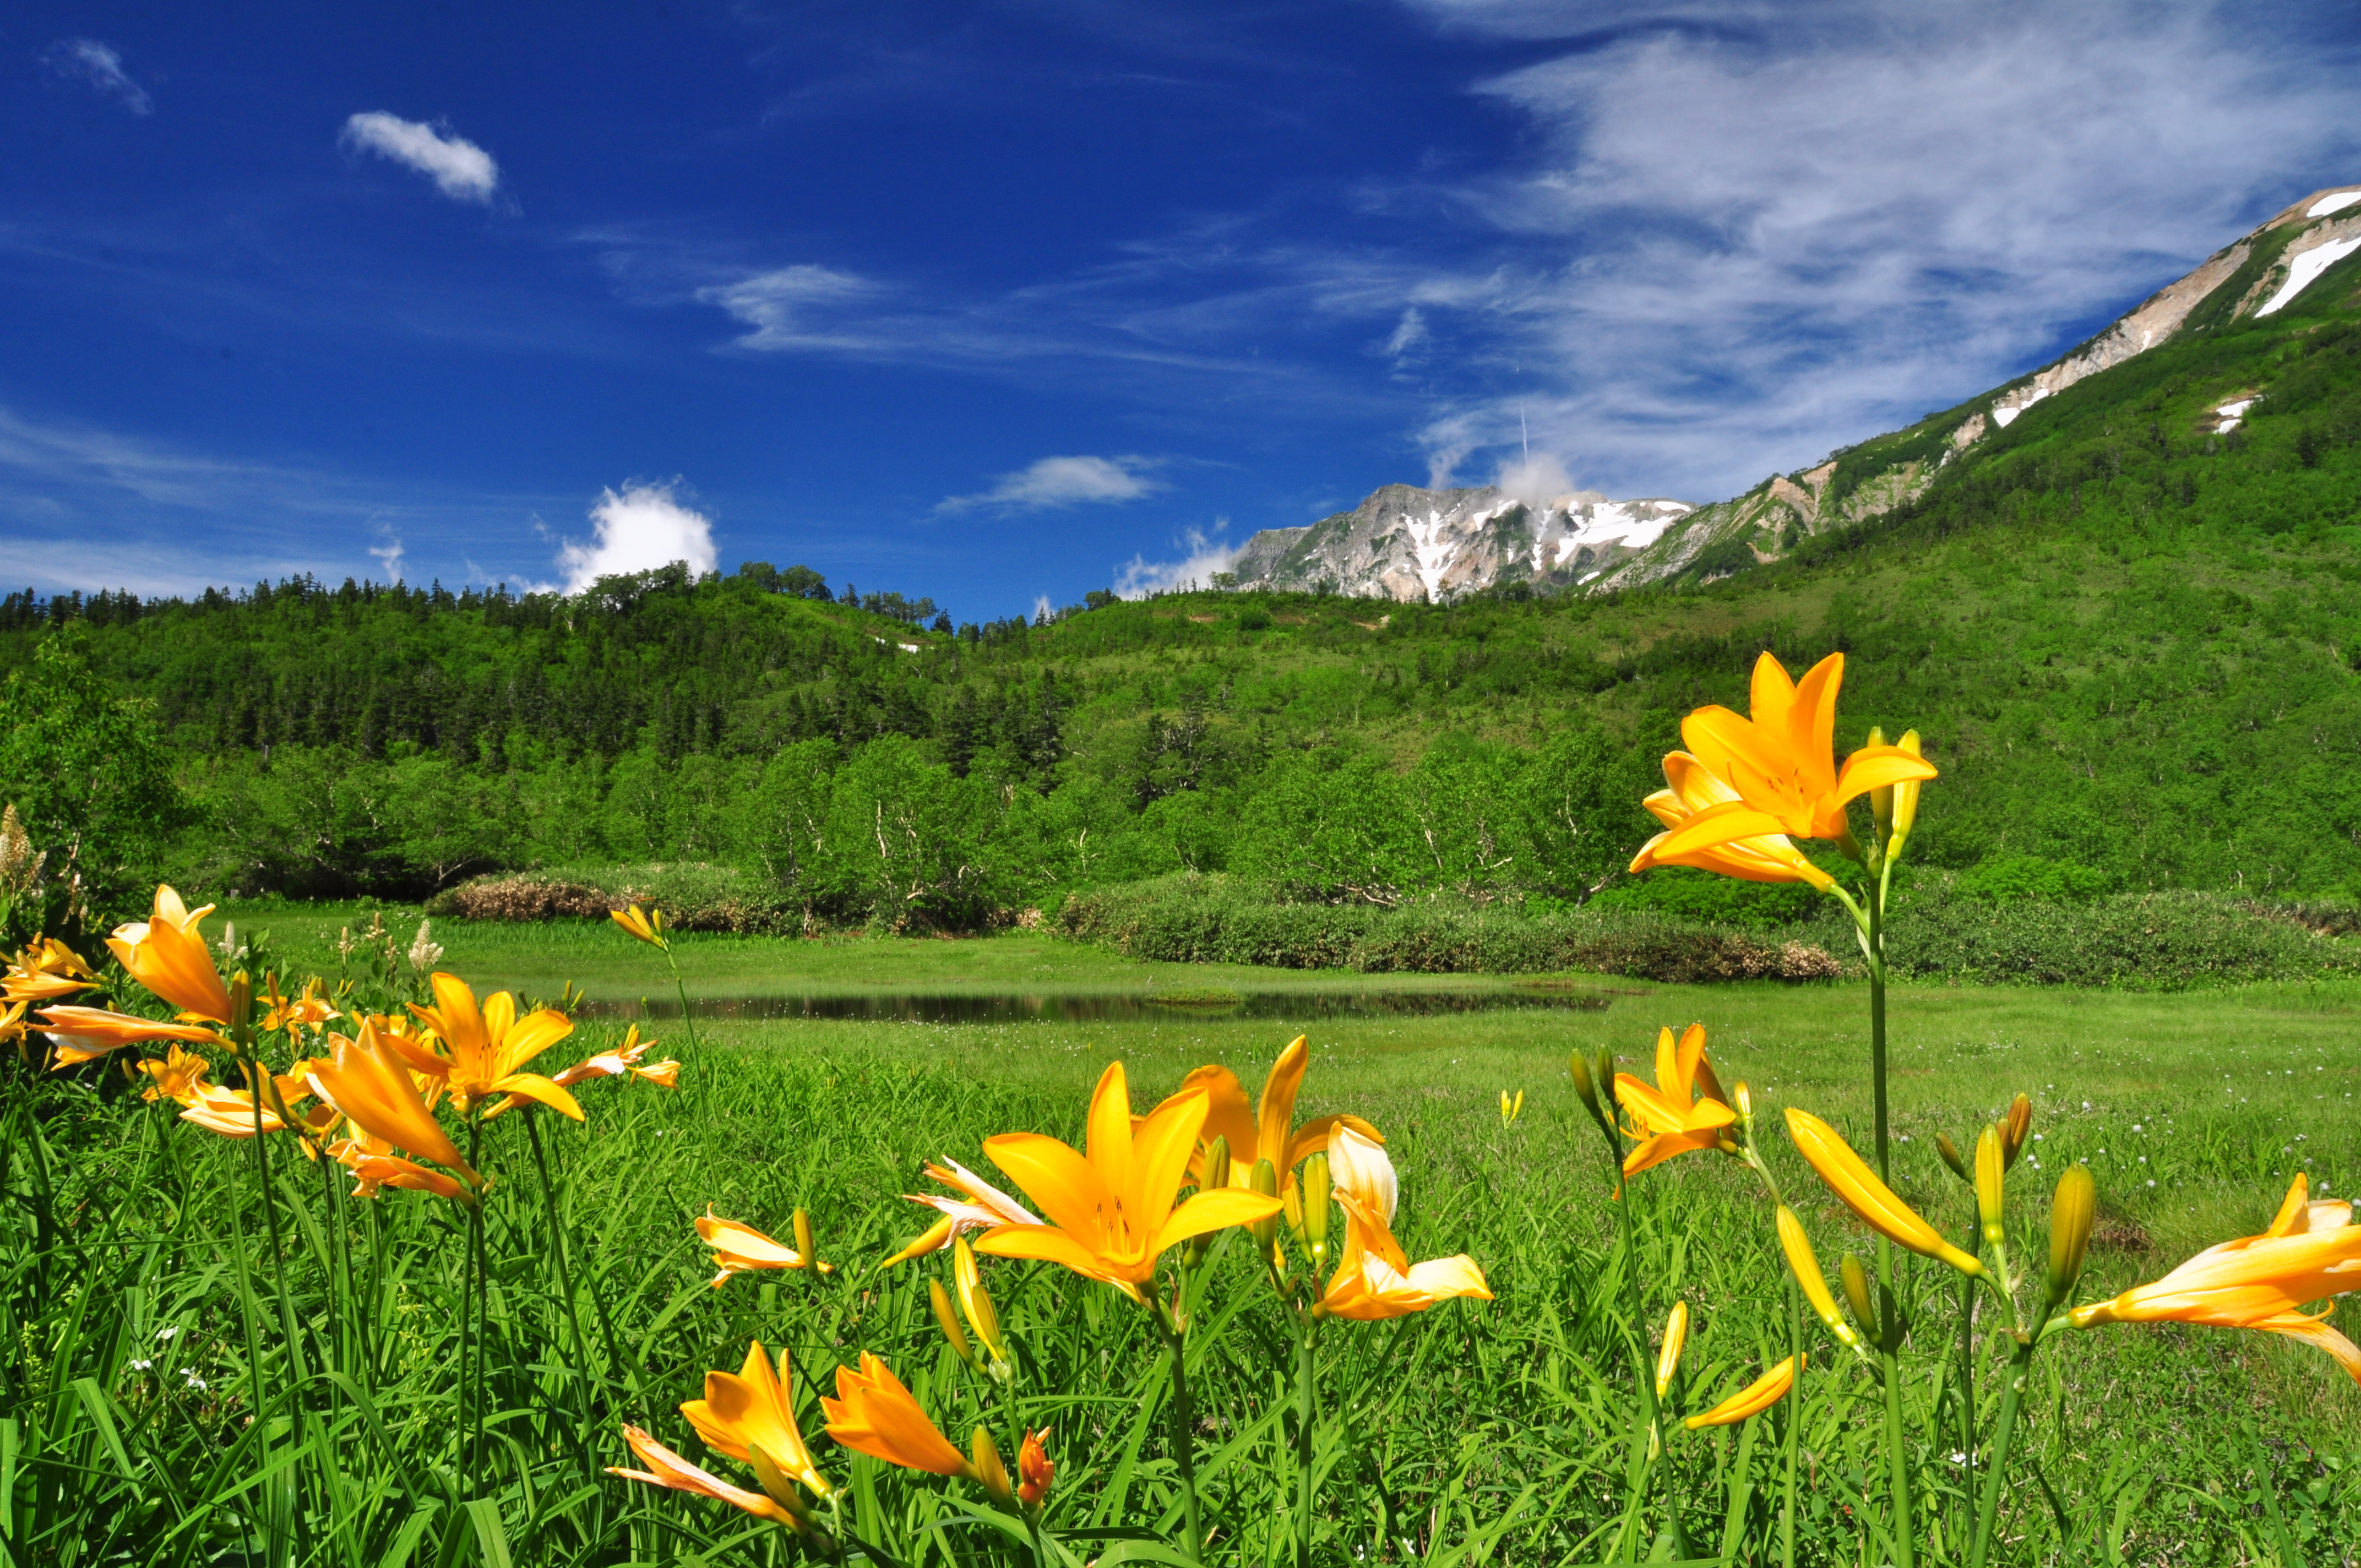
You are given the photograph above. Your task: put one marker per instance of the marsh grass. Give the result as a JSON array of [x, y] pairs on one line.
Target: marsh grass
[[1476, 1431]]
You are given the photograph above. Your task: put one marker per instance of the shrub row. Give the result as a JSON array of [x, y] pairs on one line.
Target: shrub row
[[1191, 919]]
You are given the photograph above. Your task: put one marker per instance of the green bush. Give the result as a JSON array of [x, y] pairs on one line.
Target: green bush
[[2014, 877]]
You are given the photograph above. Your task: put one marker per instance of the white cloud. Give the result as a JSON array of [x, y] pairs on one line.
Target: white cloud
[[460, 170], [1535, 480], [1139, 576], [1062, 482], [101, 65], [389, 553], [781, 306], [643, 528]]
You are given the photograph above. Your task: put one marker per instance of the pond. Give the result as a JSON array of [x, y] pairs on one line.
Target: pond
[[1089, 1008]]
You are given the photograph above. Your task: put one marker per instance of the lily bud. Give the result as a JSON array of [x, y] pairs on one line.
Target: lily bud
[[1585, 1085], [1814, 1285], [948, 1321], [1264, 1179], [1676, 1334], [1950, 1153], [2014, 1128], [989, 1474], [1217, 1165], [975, 1301], [1880, 801], [781, 1489], [1991, 1169], [241, 999], [804, 1243], [1856, 1289], [1314, 1231], [1905, 801], [2071, 1209]]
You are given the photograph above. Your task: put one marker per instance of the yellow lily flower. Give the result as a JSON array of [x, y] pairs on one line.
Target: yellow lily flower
[[309, 1010], [489, 1048], [1806, 1269], [624, 1058], [1781, 761], [755, 1409], [2309, 1252], [46, 970], [668, 1469], [981, 1206], [1375, 1278], [1673, 1117], [1266, 1129], [231, 1111], [1752, 1401], [1357, 1165], [1033, 1471], [874, 1414], [1693, 791], [1850, 1178], [180, 1076], [741, 1249], [647, 925], [1511, 1108], [1112, 1210], [167, 954], [362, 1080], [84, 1033]]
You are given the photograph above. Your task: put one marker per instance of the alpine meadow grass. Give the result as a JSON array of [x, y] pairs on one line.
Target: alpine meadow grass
[[140, 1300]]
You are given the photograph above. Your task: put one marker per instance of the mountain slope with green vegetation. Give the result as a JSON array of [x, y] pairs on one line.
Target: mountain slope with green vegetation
[[2129, 627]]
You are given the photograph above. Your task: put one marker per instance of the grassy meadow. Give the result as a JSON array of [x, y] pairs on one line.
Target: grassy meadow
[[145, 1317]]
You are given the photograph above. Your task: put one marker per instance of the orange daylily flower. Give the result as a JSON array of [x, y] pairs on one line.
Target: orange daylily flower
[[1683, 1112], [668, 1469], [1850, 1178], [741, 1249], [624, 1058], [1267, 1130], [362, 1080], [376, 1166], [1752, 1401], [1781, 764], [46, 970], [874, 1414], [487, 1049], [755, 1409], [180, 1076], [1112, 1210], [1033, 1471], [1375, 1278], [1691, 791], [83, 1033], [2309, 1252], [167, 954]]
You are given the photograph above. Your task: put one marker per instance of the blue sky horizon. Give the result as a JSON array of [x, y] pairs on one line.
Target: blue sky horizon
[[999, 304]]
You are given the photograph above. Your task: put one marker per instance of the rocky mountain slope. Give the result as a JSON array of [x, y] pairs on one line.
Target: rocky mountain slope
[[1407, 544]]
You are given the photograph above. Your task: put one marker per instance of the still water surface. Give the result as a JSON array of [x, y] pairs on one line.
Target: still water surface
[[1091, 1009]]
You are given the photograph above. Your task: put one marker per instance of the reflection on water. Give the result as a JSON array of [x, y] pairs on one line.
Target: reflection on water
[[970, 1009]]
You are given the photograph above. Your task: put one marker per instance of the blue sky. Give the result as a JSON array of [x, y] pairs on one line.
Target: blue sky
[[993, 302]]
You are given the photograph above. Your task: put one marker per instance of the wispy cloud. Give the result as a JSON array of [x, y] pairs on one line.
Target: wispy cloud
[[100, 66], [1201, 556], [1062, 482], [460, 170], [638, 529], [1853, 215]]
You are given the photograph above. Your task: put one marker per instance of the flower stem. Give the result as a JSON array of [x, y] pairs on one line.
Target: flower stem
[[1889, 1312], [1184, 1431], [564, 1283], [688, 1019], [1795, 1422], [1306, 1412], [2019, 1363]]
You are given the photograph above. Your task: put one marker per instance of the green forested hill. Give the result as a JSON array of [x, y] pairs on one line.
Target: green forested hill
[[2131, 639]]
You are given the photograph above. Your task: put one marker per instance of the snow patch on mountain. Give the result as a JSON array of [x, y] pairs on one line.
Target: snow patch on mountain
[[2305, 269], [2335, 204]]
